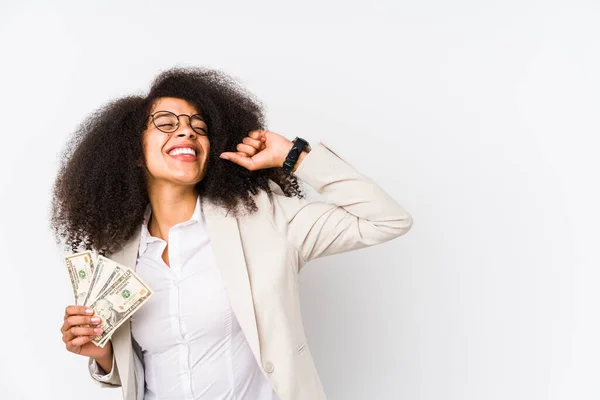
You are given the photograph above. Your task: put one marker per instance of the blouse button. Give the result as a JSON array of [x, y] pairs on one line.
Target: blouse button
[[269, 367]]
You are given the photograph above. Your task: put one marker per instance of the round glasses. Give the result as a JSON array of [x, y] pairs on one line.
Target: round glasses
[[166, 121]]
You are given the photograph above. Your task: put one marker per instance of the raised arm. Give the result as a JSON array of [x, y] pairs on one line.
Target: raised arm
[[360, 213]]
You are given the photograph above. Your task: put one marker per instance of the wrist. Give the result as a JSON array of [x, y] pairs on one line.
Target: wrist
[[300, 159], [286, 149], [105, 361]]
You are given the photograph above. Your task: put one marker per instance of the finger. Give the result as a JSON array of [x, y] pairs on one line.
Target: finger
[[67, 336], [257, 144], [238, 159], [244, 148], [257, 134], [76, 343], [78, 310], [75, 320], [80, 331]]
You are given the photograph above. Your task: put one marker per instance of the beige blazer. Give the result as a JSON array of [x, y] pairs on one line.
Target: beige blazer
[[260, 256]]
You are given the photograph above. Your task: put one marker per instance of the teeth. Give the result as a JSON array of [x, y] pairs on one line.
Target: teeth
[[182, 150]]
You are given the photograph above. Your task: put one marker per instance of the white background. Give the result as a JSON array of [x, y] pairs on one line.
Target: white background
[[480, 117]]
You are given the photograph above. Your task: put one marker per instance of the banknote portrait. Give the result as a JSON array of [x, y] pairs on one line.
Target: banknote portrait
[[106, 310]]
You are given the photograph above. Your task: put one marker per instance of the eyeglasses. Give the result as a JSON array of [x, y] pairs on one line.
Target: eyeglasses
[[166, 121]]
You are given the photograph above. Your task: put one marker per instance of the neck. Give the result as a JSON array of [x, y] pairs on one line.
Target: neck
[[171, 205]]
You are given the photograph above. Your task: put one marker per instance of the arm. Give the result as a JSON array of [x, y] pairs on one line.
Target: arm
[[360, 214]]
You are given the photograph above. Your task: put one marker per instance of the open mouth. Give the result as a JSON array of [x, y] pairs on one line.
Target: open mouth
[[184, 153], [183, 150]]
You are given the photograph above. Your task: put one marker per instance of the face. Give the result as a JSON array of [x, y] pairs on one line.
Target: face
[[179, 157], [103, 309]]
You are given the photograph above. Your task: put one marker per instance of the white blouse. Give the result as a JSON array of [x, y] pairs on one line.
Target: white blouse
[[192, 344]]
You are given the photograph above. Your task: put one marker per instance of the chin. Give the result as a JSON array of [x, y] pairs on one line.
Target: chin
[[188, 180]]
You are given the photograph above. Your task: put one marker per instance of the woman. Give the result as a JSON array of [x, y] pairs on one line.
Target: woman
[[186, 187]]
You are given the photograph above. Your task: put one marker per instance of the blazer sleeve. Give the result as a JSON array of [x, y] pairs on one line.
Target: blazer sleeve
[[111, 379], [358, 212]]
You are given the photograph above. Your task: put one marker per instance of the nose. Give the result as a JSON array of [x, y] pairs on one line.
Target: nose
[[185, 128]]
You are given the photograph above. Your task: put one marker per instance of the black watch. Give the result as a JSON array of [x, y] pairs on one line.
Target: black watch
[[292, 157]]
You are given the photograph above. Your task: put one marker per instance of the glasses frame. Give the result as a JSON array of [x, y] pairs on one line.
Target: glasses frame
[[201, 133]]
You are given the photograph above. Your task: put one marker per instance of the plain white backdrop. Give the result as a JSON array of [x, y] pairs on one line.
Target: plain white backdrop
[[480, 117]]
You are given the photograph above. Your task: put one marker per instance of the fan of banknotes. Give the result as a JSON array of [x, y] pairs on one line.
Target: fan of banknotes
[[112, 290]]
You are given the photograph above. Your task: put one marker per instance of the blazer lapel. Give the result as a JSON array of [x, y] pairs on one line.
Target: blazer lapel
[[224, 235], [121, 339]]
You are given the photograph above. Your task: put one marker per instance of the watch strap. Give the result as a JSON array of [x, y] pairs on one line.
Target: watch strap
[[292, 157]]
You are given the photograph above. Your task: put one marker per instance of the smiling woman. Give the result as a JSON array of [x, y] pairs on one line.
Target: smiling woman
[[186, 187], [100, 194]]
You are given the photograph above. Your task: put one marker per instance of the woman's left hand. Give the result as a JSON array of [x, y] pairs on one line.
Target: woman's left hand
[[259, 150]]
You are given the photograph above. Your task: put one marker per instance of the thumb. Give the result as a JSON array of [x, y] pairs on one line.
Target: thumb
[[238, 159]]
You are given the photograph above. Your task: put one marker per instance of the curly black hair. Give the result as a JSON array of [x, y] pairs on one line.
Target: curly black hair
[[100, 196]]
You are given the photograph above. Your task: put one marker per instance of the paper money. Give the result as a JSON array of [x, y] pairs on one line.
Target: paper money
[[81, 270], [114, 291], [118, 302], [106, 272]]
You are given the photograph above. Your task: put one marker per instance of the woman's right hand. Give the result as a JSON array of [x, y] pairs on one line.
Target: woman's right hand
[[79, 328]]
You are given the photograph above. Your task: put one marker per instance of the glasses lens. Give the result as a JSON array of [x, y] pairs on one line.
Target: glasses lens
[[165, 121], [198, 125]]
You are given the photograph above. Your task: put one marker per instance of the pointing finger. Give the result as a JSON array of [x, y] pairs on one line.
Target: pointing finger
[[78, 310]]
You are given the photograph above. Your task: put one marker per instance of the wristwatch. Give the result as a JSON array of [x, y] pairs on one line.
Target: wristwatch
[[292, 157]]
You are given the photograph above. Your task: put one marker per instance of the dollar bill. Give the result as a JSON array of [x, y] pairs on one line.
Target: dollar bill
[[81, 270], [106, 272], [118, 302]]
